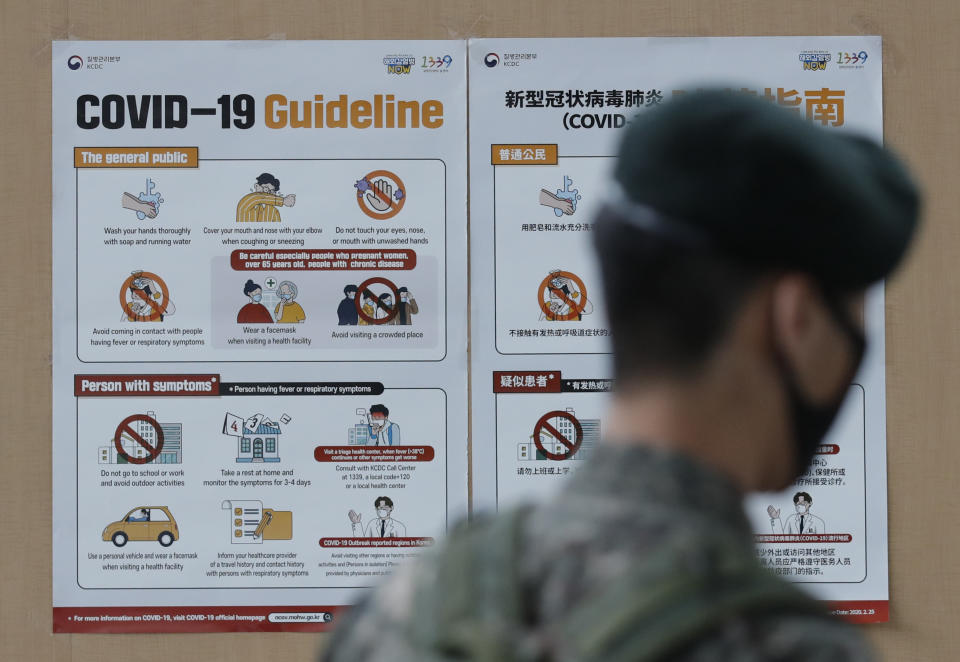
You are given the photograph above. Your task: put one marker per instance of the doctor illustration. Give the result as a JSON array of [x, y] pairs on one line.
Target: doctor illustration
[[800, 522], [381, 526]]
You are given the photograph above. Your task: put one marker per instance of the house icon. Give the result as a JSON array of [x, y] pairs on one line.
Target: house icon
[[257, 440]]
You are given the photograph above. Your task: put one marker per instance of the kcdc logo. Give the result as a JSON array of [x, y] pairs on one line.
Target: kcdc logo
[[75, 62], [491, 60]]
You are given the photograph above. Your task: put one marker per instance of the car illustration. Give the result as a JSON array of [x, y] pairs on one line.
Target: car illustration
[[144, 523]]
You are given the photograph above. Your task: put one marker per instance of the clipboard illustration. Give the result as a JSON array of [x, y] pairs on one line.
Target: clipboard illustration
[[251, 523]]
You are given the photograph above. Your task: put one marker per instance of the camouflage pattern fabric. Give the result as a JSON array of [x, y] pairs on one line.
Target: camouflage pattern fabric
[[644, 555]]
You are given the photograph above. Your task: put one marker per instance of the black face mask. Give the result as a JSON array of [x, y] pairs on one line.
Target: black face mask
[[811, 421]]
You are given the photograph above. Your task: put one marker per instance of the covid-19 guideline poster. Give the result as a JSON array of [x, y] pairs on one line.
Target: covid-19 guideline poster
[[545, 118], [259, 327], [260, 312]]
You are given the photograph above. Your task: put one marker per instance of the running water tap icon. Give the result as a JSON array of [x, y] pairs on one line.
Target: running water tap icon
[[145, 204], [564, 201]]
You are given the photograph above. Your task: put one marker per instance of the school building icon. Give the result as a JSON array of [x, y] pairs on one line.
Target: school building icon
[[528, 450], [171, 453]]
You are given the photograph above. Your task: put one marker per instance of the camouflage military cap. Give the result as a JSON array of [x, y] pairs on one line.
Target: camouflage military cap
[[760, 184]]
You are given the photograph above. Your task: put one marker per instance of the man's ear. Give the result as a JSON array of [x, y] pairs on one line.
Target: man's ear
[[794, 300]]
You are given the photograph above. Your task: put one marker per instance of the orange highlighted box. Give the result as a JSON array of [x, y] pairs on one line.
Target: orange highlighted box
[[523, 154], [135, 157]]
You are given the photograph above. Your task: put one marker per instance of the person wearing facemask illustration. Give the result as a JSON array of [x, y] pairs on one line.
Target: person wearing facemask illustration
[[381, 526], [382, 431], [288, 311], [407, 308], [368, 306], [347, 310], [801, 521], [143, 516], [384, 309], [253, 312]]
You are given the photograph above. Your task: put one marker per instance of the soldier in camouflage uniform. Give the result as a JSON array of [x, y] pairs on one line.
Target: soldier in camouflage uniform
[[741, 241]]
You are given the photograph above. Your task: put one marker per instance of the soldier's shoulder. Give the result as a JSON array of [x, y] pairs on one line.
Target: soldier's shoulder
[[781, 637], [377, 627], [437, 602]]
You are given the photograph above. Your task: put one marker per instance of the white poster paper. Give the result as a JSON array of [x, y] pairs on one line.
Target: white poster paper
[[259, 326], [545, 118]]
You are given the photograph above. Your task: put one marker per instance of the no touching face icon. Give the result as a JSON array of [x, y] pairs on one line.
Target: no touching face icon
[[380, 194]]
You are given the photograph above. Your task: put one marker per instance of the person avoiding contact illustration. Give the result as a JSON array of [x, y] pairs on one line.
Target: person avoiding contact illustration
[[347, 310], [143, 517], [262, 205], [288, 311], [382, 526], [254, 312], [562, 291], [145, 301], [801, 521], [383, 432]]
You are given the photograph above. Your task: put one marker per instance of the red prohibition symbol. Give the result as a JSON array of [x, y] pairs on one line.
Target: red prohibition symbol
[[391, 311], [544, 426], [125, 429], [576, 306], [157, 308], [389, 205]]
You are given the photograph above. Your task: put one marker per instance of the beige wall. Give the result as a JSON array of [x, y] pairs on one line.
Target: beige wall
[[922, 102]]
